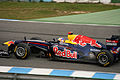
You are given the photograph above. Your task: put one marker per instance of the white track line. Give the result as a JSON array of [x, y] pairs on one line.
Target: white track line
[[117, 26]]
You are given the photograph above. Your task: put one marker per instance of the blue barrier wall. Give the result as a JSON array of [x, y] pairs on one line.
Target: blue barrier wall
[[47, 0]]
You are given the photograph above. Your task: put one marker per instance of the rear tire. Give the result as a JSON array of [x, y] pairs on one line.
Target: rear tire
[[22, 51], [119, 55], [105, 58]]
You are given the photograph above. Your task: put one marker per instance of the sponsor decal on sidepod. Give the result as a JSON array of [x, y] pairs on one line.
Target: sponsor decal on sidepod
[[84, 40], [65, 53]]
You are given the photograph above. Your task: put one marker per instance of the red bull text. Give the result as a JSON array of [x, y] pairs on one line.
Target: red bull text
[[84, 40], [11, 42], [65, 53]]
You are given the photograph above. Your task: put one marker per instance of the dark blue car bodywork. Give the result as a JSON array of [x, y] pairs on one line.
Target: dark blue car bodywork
[[59, 50]]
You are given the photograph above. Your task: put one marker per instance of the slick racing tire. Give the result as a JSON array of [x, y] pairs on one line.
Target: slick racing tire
[[119, 55], [22, 51], [105, 58]]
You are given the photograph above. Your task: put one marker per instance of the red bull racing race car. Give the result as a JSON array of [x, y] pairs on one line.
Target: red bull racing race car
[[75, 48]]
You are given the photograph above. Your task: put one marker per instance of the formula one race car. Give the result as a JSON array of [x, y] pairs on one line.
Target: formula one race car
[[76, 48]]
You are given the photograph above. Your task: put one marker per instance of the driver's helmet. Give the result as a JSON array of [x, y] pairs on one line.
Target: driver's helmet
[[71, 36], [70, 33], [61, 39]]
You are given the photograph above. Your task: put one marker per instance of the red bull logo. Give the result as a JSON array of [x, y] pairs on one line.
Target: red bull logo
[[10, 42], [84, 40], [65, 53]]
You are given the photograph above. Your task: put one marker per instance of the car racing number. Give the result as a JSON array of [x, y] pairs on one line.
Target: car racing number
[[65, 53]]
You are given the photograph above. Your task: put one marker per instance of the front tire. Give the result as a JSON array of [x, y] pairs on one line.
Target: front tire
[[105, 58], [22, 51]]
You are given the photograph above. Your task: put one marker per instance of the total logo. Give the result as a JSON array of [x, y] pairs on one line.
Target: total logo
[[65, 53]]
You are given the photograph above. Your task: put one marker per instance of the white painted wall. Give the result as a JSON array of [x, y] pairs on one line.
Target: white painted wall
[[105, 1], [85, 1], [71, 1], [94, 1], [59, 0], [82, 1]]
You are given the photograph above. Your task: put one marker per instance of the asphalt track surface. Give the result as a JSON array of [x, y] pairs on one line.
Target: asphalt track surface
[[17, 30]]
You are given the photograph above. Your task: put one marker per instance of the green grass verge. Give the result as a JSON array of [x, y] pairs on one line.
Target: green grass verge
[[32, 10]]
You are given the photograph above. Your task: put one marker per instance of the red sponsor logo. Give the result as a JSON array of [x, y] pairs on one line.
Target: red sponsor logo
[[84, 40], [65, 53], [112, 41], [11, 42]]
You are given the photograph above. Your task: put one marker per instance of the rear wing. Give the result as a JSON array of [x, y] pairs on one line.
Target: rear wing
[[113, 41]]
